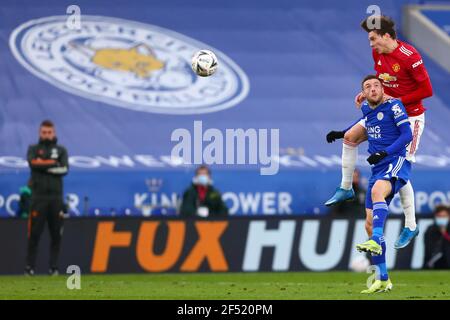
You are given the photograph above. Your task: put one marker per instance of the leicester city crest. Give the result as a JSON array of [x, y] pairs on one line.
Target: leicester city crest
[[127, 64]]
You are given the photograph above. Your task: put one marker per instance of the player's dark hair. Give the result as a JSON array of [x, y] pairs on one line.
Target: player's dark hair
[[440, 208], [369, 77], [47, 123], [380, 24], [202, 167]]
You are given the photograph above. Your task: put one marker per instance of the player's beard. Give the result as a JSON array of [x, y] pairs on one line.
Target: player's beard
[[375, 103]]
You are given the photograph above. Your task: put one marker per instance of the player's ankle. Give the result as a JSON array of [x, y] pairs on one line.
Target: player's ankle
[[346, 186], [410, 226]]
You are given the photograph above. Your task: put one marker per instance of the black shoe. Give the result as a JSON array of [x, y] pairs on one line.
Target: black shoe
[[29, 271], [53, 272]]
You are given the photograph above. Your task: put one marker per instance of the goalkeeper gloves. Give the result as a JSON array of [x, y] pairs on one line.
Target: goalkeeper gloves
[[376, 157], [333, 135]]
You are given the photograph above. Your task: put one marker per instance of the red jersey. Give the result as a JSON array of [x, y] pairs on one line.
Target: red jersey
[[400, 72]]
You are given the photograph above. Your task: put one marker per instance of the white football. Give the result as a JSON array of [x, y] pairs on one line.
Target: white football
[[359, 264], [204, 63]]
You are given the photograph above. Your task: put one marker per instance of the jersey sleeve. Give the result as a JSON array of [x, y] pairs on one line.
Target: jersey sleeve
[[416, 68], [398, 113]]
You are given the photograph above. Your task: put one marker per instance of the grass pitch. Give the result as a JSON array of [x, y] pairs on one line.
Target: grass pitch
[[223, 286]]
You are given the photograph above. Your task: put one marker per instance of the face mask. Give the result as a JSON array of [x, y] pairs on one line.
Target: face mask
[[441, 221], [202, 180]]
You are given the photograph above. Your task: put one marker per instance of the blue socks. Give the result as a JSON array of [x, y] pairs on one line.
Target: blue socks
[[380, 262], [380, 212]]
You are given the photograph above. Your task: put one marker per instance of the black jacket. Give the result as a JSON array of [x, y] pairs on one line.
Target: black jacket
[[437, 249], [48, 163], [213, 200]]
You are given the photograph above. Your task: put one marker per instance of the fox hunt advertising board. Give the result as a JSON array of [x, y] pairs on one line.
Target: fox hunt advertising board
[[136, 245]]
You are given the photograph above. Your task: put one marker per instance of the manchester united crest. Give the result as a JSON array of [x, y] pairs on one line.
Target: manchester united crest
[[396, 67]]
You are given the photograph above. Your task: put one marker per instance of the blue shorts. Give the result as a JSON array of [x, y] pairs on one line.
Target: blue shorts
[[396, 171]]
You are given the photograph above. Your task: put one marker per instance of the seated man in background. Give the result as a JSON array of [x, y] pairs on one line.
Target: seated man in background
[[437, 240], [201, 198]]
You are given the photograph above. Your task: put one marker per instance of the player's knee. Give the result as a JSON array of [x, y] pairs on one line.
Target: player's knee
[[377, 195], [355, 135], [350, 136]]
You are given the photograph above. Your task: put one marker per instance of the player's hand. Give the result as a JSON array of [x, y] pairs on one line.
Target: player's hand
[[359, 99], [333, 135], [376, 157]]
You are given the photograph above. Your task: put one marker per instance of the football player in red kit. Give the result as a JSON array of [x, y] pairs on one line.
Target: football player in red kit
[[401, 69]]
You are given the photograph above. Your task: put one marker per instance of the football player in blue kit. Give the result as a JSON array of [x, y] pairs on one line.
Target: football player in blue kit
[[388, 133]]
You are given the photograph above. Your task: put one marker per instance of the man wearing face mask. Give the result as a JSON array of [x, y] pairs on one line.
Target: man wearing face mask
[[48, 162], [437, 240], [201, 199]]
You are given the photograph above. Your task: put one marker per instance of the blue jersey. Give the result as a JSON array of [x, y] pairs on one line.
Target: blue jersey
[[382, 126]]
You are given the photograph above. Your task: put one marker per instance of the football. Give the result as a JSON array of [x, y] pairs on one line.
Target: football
[[204, 63], [359, 264]]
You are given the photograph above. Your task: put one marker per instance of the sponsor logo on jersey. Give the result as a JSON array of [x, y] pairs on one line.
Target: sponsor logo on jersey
[[396, 67], [374, 131], [126, 64], [386, 77], [379, 62], [418, 63]]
